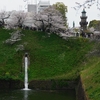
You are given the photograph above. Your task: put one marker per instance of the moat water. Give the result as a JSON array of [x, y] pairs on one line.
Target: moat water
[[37, 95]]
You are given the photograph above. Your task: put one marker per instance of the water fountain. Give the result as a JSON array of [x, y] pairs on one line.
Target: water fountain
[[29, 94], [26, 63]]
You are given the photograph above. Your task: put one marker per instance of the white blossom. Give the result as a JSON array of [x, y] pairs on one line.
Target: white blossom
[[50, 20]]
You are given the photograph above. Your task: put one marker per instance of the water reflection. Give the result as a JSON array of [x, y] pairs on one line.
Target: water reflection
[[25, 95], [36, 95]]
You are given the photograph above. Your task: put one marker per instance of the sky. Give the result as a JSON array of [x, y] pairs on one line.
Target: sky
[[72, 15]]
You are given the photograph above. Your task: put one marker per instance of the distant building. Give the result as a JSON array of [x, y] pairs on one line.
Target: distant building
[[32, 8], [43, 5], [83, 22], [36, 8]]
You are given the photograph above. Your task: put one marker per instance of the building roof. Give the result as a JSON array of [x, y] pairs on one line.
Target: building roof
[[44, 2], [83, 11]]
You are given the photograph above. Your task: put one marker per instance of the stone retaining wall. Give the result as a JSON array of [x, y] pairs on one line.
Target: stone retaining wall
[[47, 85], [11, 84], [80, 93], [52, 84]]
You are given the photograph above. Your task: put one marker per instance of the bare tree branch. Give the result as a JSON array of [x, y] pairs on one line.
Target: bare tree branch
[[87, 4]]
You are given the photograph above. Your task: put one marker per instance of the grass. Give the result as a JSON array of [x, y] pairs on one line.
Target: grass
[[53, 57], [90, 74], [50, 57], [9, 65], [91, 79]]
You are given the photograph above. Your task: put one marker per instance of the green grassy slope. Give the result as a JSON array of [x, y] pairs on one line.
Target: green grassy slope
[[91, 78], [53, 57], [9, 63], [50, 57]]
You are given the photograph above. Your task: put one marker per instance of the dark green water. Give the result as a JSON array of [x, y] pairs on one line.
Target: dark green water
[[37, 95]]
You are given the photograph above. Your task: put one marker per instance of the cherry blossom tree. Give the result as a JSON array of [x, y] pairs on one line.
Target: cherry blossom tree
[[20, 17], [50, 20], [3, 15], [16, 19], [63, 10]]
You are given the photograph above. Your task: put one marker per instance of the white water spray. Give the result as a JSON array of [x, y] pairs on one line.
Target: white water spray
[[26, 72]]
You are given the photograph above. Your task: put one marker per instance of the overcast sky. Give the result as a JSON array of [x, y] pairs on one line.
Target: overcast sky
[[72, 15]]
